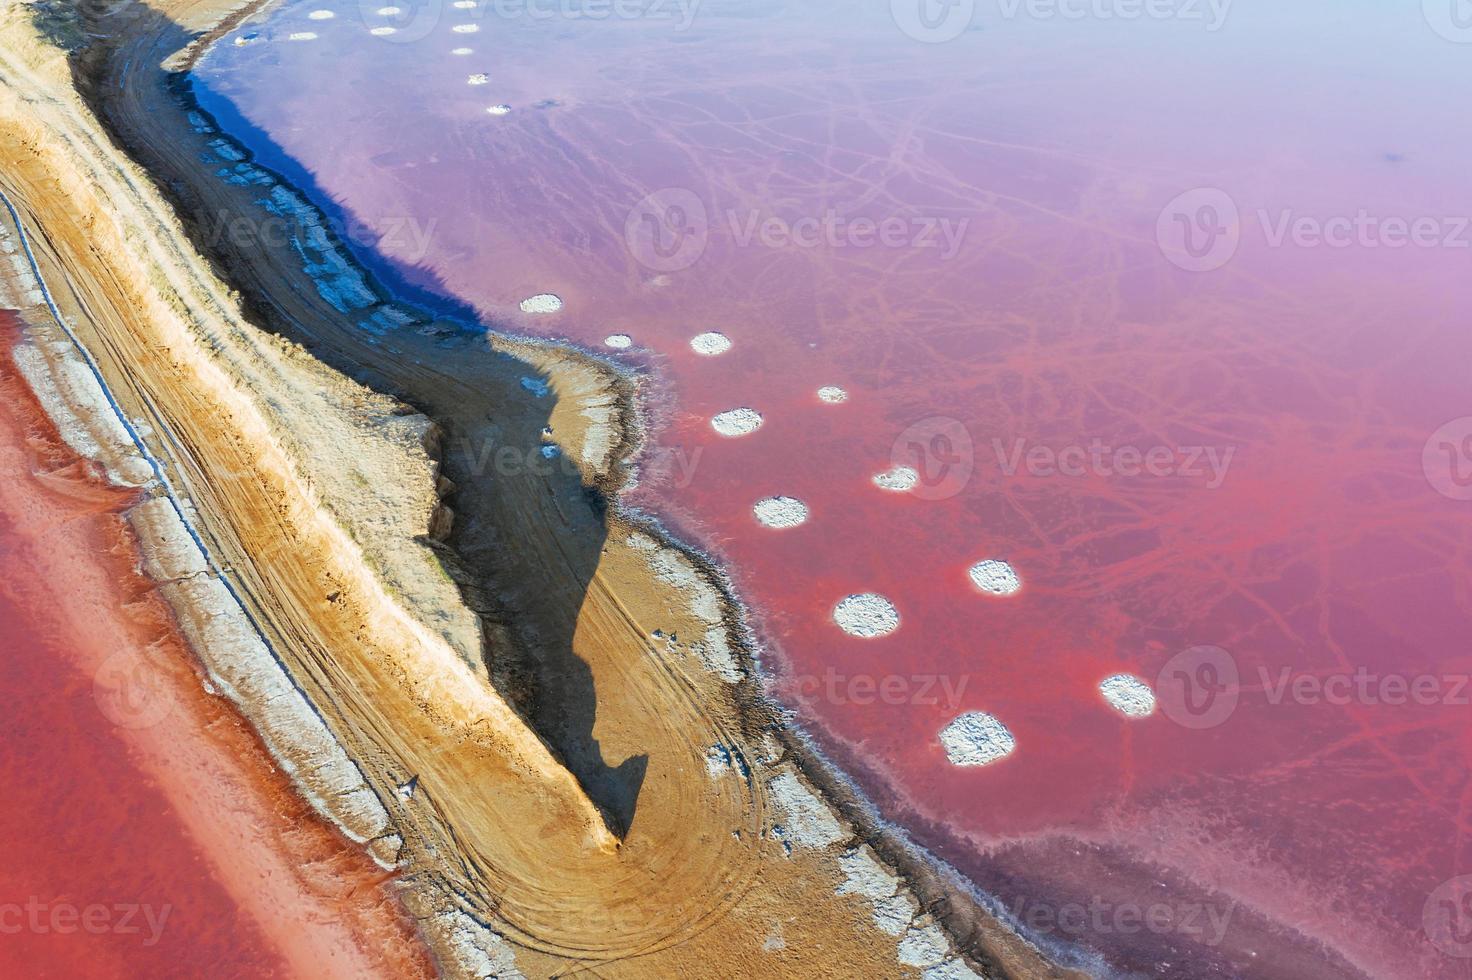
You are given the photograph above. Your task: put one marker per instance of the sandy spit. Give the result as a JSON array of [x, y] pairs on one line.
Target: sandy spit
[[384, 650]]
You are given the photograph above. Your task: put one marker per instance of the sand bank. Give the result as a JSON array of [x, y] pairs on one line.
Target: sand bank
[[556, 678]]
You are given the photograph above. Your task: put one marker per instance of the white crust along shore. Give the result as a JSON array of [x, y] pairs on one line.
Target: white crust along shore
[[242, 666]]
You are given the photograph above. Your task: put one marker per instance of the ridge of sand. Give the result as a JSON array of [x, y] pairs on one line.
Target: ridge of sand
[[323, 501]]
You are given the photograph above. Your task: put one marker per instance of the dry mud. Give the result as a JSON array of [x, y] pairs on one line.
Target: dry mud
[[542, 717]]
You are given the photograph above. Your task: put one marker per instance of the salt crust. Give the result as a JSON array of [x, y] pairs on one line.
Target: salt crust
[[542, 302], [866, 615], [1129, 695], [737, 422], [780, 512], [832, 394], [976, 739], [710, 344], [995, 576], [242, 668], [897, 480]]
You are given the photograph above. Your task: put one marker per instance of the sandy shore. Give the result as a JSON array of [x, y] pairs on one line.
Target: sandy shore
[[543, 716]]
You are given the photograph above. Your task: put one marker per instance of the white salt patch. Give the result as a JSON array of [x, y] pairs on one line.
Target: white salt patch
[[463, 4], [541, 303], [461, 51], [301, 36], [976, 739], [832, 394], [897, 480], [321, 15], [710, 344], [923, 947], [618, 341], [383, 31], [995, 576], [389, 11], [893, 909], [951, 970], [465, 28], [1128, 695], [479, 78], [780, 512], [808, 822], [498, 110], [737, 422], [866, 614], [640, 541]]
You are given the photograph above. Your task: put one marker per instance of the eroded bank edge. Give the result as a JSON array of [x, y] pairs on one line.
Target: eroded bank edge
[[940, 889]]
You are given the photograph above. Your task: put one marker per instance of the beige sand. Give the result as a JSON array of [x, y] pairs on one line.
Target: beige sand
[[573, 808]]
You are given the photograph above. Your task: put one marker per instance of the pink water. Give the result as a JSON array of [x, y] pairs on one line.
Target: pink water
[[1301, 516]]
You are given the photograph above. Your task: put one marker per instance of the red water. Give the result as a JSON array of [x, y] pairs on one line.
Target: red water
[[148, 834], [1320, 526]]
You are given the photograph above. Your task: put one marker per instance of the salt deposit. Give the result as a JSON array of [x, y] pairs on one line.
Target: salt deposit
[[618, 341], [867, 615], [737, 422], [383, 31], [995, 576], [780, 512], [832, 394], [461, 51], [808, 822], [465, 28], [897, 480], [1128, 695], [301, 36], [321, 15], [541, 303], [479, 78], [976, 739], [499, 110], [710, 344]]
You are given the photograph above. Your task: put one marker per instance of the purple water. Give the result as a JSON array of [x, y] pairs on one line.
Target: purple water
[[1169, 312]]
